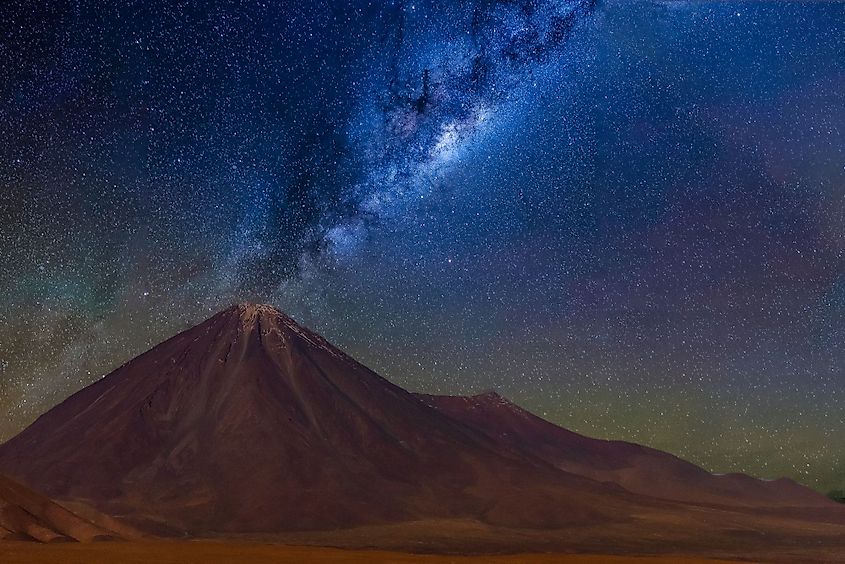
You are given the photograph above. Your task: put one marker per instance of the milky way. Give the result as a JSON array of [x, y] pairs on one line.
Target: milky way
[[628, 217], [429, 78], [433, 91]]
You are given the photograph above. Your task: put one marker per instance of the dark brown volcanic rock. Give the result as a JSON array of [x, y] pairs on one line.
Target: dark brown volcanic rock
[[26, 515], [250, 423], [637, 468]]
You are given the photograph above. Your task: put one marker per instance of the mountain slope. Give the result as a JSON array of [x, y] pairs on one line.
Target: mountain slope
[[250, 423], [637, 468], [26, 515]]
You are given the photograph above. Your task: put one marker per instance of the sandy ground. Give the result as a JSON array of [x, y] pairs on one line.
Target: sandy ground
[[212, 552]]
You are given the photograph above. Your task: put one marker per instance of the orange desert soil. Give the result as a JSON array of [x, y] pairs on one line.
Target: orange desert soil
[[211, 552]]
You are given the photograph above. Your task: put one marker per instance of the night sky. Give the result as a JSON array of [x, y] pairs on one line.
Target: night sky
[[628, 217]]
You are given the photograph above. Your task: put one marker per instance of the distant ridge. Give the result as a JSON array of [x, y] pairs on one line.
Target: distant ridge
[[637, 468]]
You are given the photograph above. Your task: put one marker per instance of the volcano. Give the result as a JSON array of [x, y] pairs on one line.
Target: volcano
[[251, 423]]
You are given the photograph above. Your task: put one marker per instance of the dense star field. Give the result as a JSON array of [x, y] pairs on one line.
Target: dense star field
[[628, 217]]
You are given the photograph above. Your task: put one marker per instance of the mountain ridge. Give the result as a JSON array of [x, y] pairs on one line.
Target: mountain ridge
[[495, 415]]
